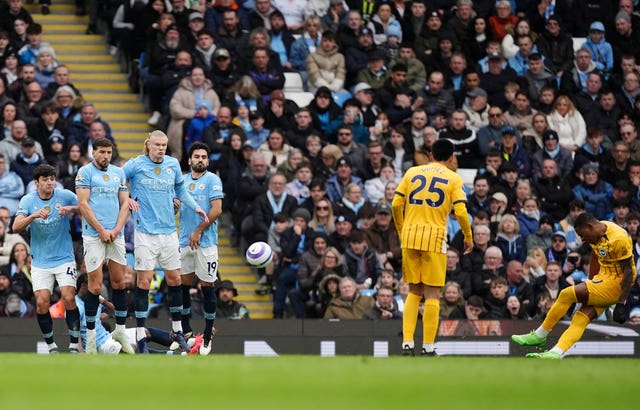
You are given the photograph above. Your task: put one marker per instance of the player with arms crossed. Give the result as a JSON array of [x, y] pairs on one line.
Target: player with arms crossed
[[420, 208], [611, 274], [103, 198], [199, 239], [46, 212], [155, 180]]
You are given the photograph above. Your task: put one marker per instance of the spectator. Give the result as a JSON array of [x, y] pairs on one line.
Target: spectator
[[551, 283], [472, 262], [383, 238], [204, 49], [502, 18], [30, 106], [568, 123], [520, 114], [436, 99], [553, 189], [232, 36], [227, 307], [561, 156], [45, 66], [29, 53], [492, 267], [529, 216], [595, 192], [556, 45], [192, 90], [80, 129], [362, 262], [323, 109], [495, 79], [625, 39], [464, 140], [267, 75], [66, 171], [309, 275], [349, 304], [7, 242], [274, 150], [454, 274], [508, 239], [575, 80], [385, 306], [27, 161], [12, 188], [11, 147], [224, 72], [600, 49]]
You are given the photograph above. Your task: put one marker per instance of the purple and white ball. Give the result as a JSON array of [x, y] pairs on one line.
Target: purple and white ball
[[259, 254]]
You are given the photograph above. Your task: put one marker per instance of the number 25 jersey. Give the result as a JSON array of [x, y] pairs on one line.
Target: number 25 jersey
[[429, 192]]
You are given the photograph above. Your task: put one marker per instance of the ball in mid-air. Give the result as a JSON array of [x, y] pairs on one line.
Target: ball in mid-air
[[259, 254]]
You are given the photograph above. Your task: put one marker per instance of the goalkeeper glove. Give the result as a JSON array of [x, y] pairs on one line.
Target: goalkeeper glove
[[619, 313]]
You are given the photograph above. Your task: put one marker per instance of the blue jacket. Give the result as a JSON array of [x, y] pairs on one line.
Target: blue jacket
[[601, 54], [527, 225], [335, 190], [196, 128], [512, 249], [597, 198]]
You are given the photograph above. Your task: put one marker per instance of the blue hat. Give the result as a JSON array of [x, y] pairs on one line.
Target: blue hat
[[596, 26], [508, 129], [394, 30], [56, 136], [205, 103]]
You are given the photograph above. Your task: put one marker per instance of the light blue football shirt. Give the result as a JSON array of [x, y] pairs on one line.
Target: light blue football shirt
[[204, 189], [153, 186], [102, 335], [103, 200], [50, 238]]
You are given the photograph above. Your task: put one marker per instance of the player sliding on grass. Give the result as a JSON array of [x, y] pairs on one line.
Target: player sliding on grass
[[611, 274]]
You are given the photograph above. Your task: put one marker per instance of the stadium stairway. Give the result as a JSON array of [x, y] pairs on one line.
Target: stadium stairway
[[98, 76]]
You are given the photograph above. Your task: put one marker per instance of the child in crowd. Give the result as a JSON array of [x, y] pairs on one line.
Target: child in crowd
[[258, 134], [203, 118], [510, 90], [313, 147], [601, 50], [242, 119], [387, 279], [362, 262], [496, 301]]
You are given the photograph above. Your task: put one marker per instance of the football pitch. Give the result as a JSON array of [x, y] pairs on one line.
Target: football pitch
[[30, 381]]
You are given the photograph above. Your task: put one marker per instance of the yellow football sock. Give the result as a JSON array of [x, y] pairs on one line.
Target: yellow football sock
[[566, 298], [410, 317], [430, 320], [574, 332]]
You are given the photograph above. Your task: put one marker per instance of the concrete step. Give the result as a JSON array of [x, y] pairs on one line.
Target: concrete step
[[110, 67], [109, 108], [102, 77], [71, 38], [59, 18], [109, 98], [69, 58], [70, 28]]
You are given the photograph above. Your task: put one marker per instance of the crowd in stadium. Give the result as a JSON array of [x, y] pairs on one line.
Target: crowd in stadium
[[548, 128]]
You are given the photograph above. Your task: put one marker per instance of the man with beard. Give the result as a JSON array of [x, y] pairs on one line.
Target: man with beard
[[199, 241]]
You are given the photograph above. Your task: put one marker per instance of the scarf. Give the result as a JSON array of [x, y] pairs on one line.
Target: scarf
[[311, 44], [532, 214], [276, 205], [354, 207], [553, 153]]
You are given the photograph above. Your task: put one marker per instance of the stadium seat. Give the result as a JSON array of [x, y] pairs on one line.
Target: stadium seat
[[293, 83], [301, 98], [578, 42], [468, 175]]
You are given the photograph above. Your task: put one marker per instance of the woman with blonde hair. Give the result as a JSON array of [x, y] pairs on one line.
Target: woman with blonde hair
[[307, 43], [323, 219], [535, 264], [508, 239], [567, 121], [245, 92], [532, 136]]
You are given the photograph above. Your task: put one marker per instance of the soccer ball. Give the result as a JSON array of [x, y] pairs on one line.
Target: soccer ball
[[259, 254]]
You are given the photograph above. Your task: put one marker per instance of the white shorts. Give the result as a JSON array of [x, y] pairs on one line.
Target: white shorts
[[110, 346], [161, 250], [43, 278], [97, 251], [202, 261]]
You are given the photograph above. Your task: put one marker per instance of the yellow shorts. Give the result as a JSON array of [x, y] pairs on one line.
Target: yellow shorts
[[429, 268], [604, 290]]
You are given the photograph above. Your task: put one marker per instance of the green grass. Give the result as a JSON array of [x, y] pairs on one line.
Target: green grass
[[229, 382]]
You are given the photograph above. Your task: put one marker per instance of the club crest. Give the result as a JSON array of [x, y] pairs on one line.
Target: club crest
[[105, 177], [192, 186], [157, 170], [602, 252]]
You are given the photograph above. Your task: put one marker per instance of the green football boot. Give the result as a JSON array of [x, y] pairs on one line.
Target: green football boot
[[545, 355], [529, 339]]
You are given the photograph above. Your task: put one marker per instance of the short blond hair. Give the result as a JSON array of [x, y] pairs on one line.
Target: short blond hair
[[156, 133]]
